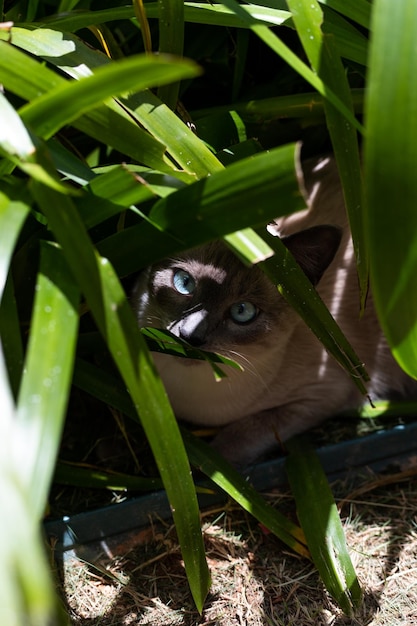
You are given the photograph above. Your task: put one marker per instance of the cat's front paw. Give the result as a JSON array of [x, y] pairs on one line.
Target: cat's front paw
[[244, 442]]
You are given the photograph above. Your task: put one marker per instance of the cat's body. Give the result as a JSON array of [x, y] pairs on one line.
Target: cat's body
[[289, 383]]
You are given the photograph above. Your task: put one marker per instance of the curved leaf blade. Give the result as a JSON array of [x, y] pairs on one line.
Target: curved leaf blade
[[116, 322], [46, 381], [320, 521], [390, 158], [67, 102]]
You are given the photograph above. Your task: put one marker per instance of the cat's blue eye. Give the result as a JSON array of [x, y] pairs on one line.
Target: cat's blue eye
[[243, 312], [184, 283]]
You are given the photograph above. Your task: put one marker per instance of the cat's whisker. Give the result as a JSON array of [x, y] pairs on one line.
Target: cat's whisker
[[248, 365]]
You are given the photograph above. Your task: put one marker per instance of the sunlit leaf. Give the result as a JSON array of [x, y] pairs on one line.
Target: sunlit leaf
[[46, 382], [319, 518], [116, 322], [390, 158]]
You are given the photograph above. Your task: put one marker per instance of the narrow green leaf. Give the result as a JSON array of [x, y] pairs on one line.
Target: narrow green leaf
[[95, 478], [112, 123], [211, 208], [249, 246], [303, 105], [298, 291], [234, 484], [320, 521], [171, 41], [390, 158], [10, 336], [27, 595], [12, 216], [185, 148], [357, 10], [46, 382], [14, 138], [67, 102], [324, 57], [112, 192], [109, 123], [115, 320], [214, 14], [205, 458], [271, 40]]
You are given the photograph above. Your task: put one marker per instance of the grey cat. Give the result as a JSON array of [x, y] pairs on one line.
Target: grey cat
[[289, 383]]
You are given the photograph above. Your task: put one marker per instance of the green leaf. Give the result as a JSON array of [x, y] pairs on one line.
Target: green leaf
[[46, 382], [29, 440], [185, 148], [93, 477], [11, 339], [171, 41], [67, 102], [112, 123], [12, 216], [237, 487], [14, 138], [206, 459], [271, 40], [211, 208], [321, 523], [109, 123], [323, 55], [293, 284], [357, 10], [249, 246], [116, 322], [214, 14], [390, 158]]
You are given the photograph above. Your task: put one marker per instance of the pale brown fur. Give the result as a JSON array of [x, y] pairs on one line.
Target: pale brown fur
[[289, 382]]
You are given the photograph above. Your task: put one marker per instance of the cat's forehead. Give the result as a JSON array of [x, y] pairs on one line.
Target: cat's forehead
[[213, 261]]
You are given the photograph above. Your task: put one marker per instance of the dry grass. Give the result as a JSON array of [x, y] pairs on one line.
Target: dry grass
[[256, 581]]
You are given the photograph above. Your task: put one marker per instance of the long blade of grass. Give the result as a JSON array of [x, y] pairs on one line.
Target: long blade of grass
[[197, 12], [357, 10], [97, 383], [271, 40], [14, 138], [13, 213], [116, 322], [234, 484], [11, 339], [325, 60], [29, 78], [319, 518], [211, 208], [12, 216], [390, 158], [67, 102], [27, 596], [78, 475], [46, 382], [185, 148], [302, 105], [112, 123], [171, 41], [297, 290]]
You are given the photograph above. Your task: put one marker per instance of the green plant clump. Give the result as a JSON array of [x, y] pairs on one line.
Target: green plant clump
[[114, 156]]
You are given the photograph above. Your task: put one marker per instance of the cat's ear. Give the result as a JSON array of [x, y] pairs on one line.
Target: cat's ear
[[314, 249]]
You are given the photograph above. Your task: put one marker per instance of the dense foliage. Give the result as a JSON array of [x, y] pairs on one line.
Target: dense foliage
[[113, 157]]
